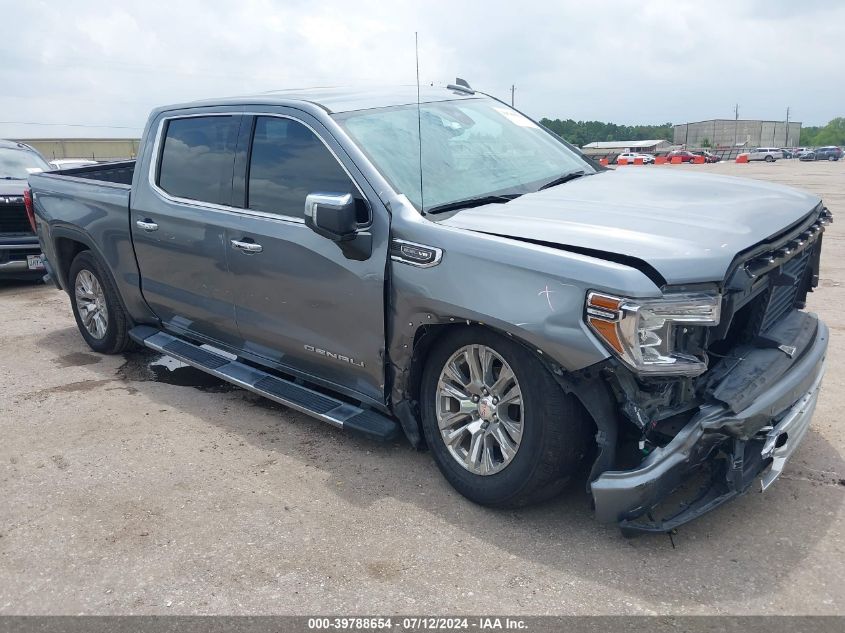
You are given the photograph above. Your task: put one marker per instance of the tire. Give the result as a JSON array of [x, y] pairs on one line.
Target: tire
[[555, 429], [770, 159], [831, 158], [107, 331]]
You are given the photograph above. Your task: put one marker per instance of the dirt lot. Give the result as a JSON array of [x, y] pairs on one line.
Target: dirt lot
[[123, 493]]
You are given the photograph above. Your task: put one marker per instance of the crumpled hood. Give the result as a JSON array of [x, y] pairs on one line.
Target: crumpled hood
[[687, 226]]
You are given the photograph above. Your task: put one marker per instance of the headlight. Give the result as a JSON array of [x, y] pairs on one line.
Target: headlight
[[644, 333]]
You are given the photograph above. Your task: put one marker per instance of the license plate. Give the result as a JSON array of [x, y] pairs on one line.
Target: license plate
[[34, 262]]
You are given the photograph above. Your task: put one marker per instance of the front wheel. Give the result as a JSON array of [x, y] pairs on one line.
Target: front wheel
[[831, 158], [501, 430], [96, 307], [770, 159]]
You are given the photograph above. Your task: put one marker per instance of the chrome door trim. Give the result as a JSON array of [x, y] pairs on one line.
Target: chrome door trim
[[155, 162]]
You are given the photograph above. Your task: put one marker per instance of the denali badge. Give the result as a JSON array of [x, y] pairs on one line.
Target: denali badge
[[414, 254], [339, 357]]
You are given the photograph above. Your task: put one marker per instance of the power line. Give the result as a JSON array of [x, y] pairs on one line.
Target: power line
[[111, 127]]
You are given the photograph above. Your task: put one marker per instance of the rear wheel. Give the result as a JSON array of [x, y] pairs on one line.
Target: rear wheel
[[99, 314], [500, 429], [770, 159], [831, 157]]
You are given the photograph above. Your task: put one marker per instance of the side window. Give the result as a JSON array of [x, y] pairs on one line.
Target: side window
[[197, 158], [288, 162]]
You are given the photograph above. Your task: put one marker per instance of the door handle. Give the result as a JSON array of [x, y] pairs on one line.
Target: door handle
[[147, 225], [247, 247]]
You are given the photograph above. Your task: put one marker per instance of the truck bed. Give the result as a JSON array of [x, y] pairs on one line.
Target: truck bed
[[118, 172], [87, 205]]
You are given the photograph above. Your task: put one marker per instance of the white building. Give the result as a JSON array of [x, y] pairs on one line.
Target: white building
[[617, 147]]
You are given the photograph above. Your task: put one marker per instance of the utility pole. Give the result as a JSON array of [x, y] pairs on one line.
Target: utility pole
[[736, 123], [512, 91], [787, 127]]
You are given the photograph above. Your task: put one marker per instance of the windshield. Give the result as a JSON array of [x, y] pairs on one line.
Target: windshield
[[470, 149], [18, 164]]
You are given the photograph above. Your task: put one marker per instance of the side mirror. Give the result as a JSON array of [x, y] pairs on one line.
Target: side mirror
[[332, 215]]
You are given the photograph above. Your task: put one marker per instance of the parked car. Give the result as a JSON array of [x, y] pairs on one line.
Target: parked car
[[684, 155], [71, 163], [787, 153], [501, 304], [20, 254], [768, 154], [799, 151], [708, 156], [630, 157], [829, 152]]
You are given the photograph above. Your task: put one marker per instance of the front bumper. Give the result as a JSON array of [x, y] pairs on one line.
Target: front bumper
[[13, 258], [740, 448]]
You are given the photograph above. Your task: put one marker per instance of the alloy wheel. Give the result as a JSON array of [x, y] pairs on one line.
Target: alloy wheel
[[91, 304], [479, 409]]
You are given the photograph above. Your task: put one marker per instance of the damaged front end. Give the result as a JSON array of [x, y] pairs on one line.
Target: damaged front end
[[690, 439]]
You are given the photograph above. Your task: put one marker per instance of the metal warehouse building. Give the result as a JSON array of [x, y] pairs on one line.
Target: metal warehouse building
[[93, 148], [742, 132]]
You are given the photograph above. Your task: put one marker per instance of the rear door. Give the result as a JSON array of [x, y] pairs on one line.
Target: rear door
[[178, 223], [303, 301]]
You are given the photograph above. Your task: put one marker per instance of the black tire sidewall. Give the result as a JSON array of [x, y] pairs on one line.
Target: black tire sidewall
[[503, 487], [87, 261]]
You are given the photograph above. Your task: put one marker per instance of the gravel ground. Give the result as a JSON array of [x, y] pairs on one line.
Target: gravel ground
[[123, 493]]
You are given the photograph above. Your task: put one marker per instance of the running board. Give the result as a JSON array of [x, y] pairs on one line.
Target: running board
[[343, 415]]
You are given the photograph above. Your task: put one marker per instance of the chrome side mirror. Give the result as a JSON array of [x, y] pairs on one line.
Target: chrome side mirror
[[332, 215]]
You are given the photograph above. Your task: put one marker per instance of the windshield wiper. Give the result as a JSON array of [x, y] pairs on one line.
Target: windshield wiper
[[472, 202], [572, 175]]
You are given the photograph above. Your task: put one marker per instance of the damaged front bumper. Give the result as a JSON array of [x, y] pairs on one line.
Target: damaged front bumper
[[737, 448]]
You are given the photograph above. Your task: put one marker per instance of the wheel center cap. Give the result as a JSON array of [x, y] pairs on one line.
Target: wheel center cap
[[486, 409]]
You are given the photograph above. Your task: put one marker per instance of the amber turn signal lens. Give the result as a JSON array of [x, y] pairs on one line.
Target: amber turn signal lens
[[607, 331], [605, 302]]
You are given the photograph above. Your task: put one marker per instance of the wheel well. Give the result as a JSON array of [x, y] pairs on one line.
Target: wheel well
[[427, 335], [424, 339], [66, 251]]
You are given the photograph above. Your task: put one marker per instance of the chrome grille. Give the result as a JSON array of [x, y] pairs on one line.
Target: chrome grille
[[806, 241]]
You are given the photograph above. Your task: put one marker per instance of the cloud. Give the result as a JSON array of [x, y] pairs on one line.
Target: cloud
[[106, 63]]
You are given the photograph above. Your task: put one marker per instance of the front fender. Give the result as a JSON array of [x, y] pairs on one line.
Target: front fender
[[532, 292]]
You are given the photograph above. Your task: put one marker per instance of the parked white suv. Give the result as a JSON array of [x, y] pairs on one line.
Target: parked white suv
[[630, 156], [768, 154]]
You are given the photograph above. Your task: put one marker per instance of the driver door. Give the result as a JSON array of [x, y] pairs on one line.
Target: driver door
[[302, 301]]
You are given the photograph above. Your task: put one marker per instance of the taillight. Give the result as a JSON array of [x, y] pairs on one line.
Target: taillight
[[30, 211]]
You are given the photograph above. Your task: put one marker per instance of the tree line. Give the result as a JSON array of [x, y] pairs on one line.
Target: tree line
[[582, 132], [831, 134]]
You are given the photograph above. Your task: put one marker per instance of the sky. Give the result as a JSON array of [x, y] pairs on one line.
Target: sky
[[93, 68]]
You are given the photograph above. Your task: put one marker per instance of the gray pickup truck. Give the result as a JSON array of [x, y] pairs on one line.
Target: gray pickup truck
[[449, 269]]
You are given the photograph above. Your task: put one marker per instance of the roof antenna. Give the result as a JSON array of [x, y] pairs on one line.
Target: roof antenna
[[419, 119]]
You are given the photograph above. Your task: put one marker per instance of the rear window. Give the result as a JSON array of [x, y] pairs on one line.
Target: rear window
[[197, 158]]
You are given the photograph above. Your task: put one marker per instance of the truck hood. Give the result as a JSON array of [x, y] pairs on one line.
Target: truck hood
[[688, 227], [12, 187]]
